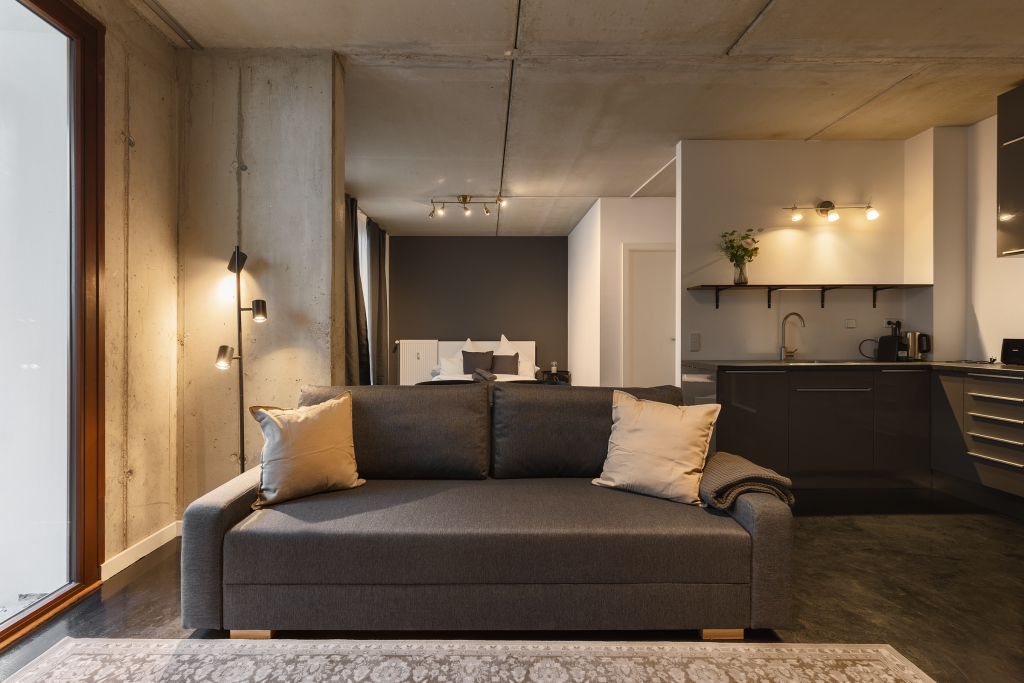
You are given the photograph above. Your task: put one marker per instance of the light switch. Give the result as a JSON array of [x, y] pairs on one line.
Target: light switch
[[695, 341], [850, 323]]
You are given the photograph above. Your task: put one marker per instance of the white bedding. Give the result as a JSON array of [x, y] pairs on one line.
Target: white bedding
[[500, 378]]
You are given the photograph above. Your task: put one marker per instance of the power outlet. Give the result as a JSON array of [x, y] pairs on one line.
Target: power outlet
[[886, 322]]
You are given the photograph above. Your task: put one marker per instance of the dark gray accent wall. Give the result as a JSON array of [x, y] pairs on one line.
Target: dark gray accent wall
[[450, 288]]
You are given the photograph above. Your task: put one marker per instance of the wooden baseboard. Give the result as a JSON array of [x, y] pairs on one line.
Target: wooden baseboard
[[721, 633], [58, 605], [251, 634]]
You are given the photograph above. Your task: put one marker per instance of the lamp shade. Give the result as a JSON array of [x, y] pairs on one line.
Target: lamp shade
[[234, 268], [259, 311], [225, 355]]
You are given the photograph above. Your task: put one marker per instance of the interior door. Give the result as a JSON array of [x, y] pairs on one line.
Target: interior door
[[649, 301]]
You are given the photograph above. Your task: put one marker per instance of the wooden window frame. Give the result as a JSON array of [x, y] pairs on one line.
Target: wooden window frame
[[86, 407]]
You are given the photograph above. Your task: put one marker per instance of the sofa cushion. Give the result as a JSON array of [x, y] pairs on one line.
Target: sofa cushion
[[485, 532], [416, 432], [556, 431]]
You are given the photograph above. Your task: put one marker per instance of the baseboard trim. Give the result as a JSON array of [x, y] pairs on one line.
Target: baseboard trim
[[134, 553], [979, 494]]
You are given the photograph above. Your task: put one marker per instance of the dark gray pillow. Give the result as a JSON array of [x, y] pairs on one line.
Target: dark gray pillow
[[418, 432], [471, 360], [505, 365], [555, 431]]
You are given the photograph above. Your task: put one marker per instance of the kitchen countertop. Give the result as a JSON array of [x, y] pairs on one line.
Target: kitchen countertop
[[995, 369]]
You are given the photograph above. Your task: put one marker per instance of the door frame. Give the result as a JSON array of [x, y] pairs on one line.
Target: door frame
[[627, 313], [86, 406]]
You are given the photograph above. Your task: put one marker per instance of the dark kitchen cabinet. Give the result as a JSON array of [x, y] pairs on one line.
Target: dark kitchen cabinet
[[754, 422], [901, 417], [831, 420]]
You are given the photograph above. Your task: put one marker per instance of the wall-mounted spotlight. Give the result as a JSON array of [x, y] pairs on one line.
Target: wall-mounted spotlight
[[1007, 216], [226, 354], [829, 210]]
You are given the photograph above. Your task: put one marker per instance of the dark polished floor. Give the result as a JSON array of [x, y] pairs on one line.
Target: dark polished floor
[[939, 579]]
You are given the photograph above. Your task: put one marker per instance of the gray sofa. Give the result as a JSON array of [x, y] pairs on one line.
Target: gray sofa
[[478, 514]]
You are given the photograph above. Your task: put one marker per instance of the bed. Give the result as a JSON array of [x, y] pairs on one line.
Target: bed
[[527, 359]]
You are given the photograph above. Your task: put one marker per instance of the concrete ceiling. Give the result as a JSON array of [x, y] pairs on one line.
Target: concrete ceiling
[[602, 90]]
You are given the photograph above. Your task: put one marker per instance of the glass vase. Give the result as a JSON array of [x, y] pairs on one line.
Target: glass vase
[[739, 275]]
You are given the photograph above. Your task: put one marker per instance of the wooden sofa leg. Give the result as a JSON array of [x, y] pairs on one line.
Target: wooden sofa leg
[[708, 633], [251, 635]]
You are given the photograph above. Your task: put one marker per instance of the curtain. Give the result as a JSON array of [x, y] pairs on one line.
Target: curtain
[[378, 286], [357, 346]]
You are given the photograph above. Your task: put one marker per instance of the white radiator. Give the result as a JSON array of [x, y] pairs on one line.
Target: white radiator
[[416, 358]]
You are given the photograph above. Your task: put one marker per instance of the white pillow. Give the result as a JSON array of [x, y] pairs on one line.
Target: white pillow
[[507, 348], [453, 365]]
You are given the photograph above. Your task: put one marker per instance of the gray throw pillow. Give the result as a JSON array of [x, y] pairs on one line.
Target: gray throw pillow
[[471, 360], [505, 365]]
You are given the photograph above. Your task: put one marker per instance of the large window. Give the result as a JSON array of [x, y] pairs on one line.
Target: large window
[[50, 336]]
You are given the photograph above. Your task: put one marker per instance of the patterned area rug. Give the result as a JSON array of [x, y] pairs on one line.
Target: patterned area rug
[[425, 661]]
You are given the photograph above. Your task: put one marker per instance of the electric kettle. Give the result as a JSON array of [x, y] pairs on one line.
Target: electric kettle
[[918, 344]]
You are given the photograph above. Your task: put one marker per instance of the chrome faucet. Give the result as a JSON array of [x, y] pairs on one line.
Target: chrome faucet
[[784, 353]]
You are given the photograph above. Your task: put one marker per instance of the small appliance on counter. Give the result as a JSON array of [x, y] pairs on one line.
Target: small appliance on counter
[[1013, 352], [918, 344], [892, 347]]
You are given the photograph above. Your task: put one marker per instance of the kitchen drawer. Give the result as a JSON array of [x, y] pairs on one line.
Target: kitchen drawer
[[1000, 428], [980, 403], [984, 446], [831, 379], [987, 385]]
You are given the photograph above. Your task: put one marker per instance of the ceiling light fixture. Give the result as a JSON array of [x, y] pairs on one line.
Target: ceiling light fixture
[[1007, 216], [465, 200], [829, 210]]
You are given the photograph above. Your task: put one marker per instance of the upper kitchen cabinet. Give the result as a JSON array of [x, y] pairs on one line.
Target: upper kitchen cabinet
[[754, 422], [1010, 179]]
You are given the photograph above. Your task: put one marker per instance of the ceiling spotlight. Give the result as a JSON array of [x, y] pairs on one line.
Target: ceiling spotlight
[[504, 202], [797, 214], [487, 212], [465, 209], [431, 214], [872, 213], [440, 212], [833, 215]]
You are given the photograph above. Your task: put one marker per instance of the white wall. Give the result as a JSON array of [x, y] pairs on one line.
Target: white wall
[[735, 185], [641, 219], [994, 283], [585, 299]]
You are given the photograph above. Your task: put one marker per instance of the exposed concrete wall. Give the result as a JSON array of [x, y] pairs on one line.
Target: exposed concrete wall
[[140, 278], [256, 171]]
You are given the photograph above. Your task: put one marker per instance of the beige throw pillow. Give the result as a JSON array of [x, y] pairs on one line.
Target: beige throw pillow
[[658, 449], [306, 450]]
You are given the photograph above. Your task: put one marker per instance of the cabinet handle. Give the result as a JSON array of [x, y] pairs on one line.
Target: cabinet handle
[[979, 374], [993, 417], [996, 398], [989, 457], [904, 371], [996, 438], [755, 372], [834, 389]]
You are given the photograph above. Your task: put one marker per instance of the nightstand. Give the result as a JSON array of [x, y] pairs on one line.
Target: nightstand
[[562, 376]]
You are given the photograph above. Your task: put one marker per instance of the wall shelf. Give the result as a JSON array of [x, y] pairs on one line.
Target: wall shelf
[[875, 289]]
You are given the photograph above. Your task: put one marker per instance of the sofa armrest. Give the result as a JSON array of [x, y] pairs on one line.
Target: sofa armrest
[[769, 522], [202, 548]]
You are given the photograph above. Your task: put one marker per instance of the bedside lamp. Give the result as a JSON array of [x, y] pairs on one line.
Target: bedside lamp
[[226, 354]]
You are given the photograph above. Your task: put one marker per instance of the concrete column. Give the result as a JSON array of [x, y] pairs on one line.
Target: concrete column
[[256, 171]]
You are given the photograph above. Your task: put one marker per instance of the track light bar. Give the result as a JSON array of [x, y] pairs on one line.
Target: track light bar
[[827, 209], [465, 200]]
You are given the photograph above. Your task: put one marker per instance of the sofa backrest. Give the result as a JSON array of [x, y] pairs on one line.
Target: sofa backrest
[[556, 431], [416, 432]]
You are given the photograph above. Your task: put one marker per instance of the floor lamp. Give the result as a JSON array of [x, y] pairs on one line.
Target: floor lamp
[[226, 354]]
